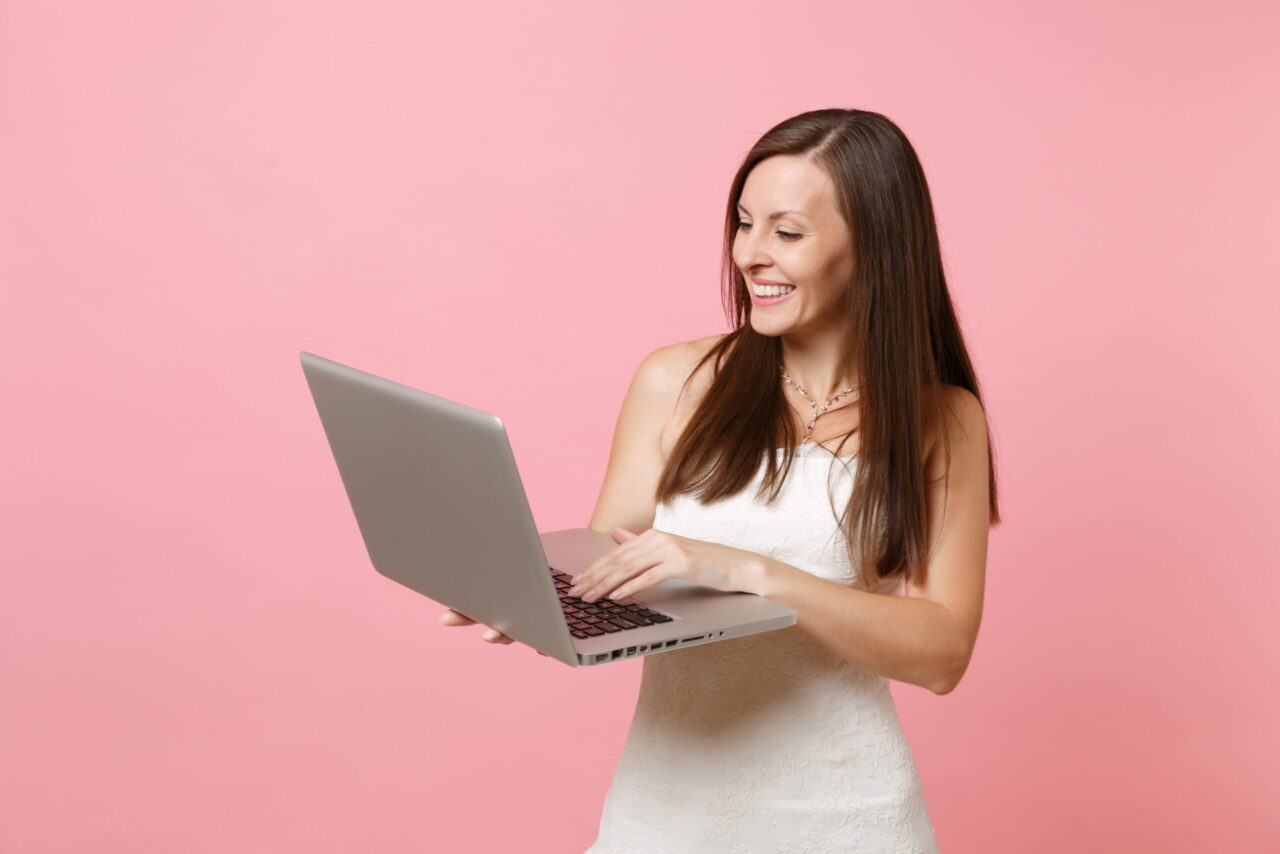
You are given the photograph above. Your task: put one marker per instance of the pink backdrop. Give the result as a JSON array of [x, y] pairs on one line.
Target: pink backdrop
[[509, 206]]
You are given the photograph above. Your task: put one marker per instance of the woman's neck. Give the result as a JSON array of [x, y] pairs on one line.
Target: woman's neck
[[818, 370]]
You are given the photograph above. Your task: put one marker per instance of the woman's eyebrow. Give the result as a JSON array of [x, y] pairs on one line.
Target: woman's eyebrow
[[774, 215]]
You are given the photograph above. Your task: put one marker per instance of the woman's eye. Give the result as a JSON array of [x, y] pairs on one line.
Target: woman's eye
[[785, 234]]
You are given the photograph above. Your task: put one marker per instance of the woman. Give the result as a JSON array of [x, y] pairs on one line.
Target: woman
[[846, 364]]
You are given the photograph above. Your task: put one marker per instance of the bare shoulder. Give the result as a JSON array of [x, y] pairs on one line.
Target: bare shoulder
[[685, 382], [676, 361], [966, 425], [637, 454]]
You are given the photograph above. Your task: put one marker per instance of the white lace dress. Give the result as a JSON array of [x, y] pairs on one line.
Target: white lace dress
[[766, 743]]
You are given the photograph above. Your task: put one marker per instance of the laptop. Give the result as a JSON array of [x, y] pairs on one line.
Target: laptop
[[441, 508]]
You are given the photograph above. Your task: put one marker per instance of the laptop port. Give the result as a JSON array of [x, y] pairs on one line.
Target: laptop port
[[699, 637], [631, 650]]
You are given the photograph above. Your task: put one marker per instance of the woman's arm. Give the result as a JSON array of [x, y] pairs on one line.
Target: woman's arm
[[908, 640], [635, 457], [927, 636]]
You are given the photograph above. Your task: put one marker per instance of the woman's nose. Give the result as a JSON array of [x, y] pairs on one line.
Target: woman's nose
[[751, 255]]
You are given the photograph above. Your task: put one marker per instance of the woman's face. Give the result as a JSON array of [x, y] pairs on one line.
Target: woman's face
[[808, 246]]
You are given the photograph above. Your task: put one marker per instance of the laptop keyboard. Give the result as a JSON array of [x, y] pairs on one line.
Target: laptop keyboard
[[604, 616]]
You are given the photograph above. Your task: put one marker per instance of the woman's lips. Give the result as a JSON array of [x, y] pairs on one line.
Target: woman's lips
[[765, 301]]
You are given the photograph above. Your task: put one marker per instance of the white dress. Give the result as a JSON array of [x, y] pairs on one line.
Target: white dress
[[766, 743]]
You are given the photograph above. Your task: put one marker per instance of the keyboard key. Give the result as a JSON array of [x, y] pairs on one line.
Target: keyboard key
[[604, 616]]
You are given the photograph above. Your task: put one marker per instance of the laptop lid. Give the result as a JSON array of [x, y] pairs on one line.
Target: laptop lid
[[439, 501]]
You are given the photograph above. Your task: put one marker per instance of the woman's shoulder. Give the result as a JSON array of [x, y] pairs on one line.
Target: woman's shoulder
[[685, 380], [679, 362], [682, 356], [959, 413]]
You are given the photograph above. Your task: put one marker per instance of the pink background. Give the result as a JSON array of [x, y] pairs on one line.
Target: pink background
[[509, 206]]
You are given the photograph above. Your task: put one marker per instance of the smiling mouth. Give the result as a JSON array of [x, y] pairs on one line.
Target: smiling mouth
[[771, 290]]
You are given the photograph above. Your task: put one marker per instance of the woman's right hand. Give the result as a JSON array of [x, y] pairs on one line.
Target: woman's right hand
[[451, 617]]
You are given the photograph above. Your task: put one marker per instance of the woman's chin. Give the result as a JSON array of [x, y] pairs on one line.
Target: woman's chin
[[769, 326]]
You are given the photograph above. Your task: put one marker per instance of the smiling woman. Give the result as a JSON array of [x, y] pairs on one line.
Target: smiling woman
[[845, 357]]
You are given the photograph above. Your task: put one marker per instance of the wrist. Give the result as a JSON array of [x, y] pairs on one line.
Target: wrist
[[760, 570]]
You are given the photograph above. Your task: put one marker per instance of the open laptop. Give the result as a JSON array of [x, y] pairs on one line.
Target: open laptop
[[442, 511]]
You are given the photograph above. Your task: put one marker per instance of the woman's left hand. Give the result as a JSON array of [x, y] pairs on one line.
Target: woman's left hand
[[643, 560]]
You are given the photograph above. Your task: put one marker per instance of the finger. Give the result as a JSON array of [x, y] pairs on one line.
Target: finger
[[639, 584], [641, 556], [622, 535], [495, 636], [621, 552], [607, 585], [453, 618]]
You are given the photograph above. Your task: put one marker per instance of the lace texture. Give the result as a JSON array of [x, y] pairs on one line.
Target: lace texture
[[768, 742]]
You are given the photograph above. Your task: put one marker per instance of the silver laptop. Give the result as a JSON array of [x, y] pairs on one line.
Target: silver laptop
[[441, 508]]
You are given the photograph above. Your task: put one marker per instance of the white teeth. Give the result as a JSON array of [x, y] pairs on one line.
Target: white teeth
[[771, 290]]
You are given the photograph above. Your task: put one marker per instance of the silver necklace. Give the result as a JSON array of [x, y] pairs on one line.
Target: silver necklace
[[813, 403]]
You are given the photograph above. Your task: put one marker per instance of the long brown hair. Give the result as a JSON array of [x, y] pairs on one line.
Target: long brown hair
[[903, 342]]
